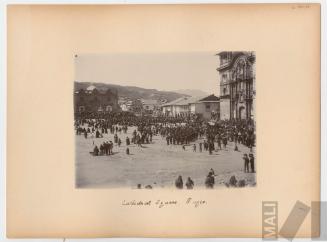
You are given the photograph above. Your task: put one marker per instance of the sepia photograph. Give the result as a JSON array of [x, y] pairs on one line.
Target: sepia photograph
[[129, 120], [165, 120]]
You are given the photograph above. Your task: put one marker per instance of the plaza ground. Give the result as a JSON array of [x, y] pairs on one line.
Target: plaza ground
[[156, 164]]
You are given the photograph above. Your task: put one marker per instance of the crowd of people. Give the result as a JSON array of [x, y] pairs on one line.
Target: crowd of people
[[183, 131], [209, 181], [189, 184]]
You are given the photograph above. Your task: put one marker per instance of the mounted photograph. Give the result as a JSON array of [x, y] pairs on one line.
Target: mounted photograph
[[165, 120]]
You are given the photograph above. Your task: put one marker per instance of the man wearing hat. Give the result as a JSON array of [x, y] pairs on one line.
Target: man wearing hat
[[251, 162], [246, 162], [210, 180]]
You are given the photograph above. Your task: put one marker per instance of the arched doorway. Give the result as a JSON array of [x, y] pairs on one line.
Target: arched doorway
[[108, 108], [241, 113]]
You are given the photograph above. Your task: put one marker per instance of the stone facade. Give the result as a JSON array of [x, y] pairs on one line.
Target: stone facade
[[237, 85]]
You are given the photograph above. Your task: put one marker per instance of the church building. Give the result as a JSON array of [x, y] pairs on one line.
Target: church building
[[237, 85], [95, 101]]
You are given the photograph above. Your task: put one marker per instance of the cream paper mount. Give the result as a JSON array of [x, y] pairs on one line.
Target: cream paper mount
[[42, 199]]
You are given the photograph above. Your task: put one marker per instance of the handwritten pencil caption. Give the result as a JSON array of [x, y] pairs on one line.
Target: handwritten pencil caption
[[158, 203]]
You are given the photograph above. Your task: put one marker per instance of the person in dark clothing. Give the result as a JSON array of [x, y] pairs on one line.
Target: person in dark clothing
[[233, 181], [106, 148], [179, 182], [252, 162], [111, 146], [210, 180], [225, 142], [211, 147], [189, 183], [128, 142], [246, 163], [116, 138], [96, 151], [101, 149]]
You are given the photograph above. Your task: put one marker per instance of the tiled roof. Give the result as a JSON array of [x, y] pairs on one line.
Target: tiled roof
[[174, 102], [188, 100], [211, 98]]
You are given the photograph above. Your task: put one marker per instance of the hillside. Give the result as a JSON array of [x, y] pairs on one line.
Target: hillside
[[192, 92], [131, 92]]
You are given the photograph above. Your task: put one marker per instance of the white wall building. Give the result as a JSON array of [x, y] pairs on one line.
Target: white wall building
[[207, 107]]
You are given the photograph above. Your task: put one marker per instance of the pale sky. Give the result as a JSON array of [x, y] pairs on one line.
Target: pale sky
[[161, 71]]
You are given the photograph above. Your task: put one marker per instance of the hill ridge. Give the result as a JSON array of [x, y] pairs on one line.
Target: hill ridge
[[132, 92]]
